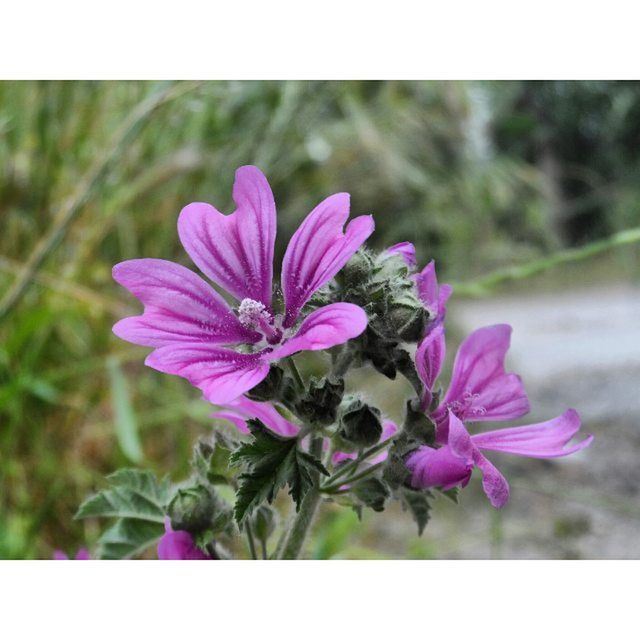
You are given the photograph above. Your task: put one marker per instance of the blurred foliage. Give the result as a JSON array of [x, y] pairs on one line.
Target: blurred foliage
[[477, 175]]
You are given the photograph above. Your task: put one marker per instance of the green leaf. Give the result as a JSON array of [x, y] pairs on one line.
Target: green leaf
[[133, 494], [451, 494], [126, 425], [372, 492], [127, 538], [139, 502], [417, 503], [272, 462], [211, 459]]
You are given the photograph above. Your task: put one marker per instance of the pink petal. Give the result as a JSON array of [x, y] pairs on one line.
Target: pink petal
[[438, 468], [543, 440], [83, 554], [432, 296], [179, 545], [221, 374], [430, 358], [494, 483], [407, 251], [179, 306], [60, 555], [480, 389], [238, 420], [459, 439], [324, 328], [244, 409], [236, 250], [319, 249]]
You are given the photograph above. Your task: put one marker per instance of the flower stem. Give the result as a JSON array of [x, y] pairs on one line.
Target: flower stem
[[351, 466], [301, 525], [304, 518], [251, 541], [335, 488], [295, 373]]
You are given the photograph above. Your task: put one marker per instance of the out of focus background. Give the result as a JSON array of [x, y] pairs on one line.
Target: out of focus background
[[527, 194]]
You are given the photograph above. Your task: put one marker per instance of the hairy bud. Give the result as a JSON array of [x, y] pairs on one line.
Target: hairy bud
[[321, 401], [197, 509], [360, 424]]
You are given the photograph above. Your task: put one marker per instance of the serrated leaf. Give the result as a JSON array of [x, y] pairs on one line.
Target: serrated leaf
[[417, 503], [133, 494], [127, 538], [273, 462], [372, 492]]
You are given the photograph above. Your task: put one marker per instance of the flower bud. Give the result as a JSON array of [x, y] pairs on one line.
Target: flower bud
[[407, 317], [190, 509], [197, 509], [357, 271], [360, 424], [320, 403], [264, 522]]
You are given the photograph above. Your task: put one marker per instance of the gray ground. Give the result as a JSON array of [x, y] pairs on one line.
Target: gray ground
[[581, 350]]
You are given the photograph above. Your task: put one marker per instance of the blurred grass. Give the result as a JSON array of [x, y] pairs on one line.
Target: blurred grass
[[92, 173]]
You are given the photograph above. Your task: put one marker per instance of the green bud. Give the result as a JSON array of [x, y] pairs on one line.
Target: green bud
[[407, 317], [197, 509], [270, 388], [190, 509], [357, 271], [360, 424], [320, 403], [264, 521]]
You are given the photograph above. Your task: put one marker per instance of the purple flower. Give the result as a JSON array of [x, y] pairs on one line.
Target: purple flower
[[480, 389], [194, 332], [432, 295], [83, 554], [241, 409], [179, 545], [452, 465]]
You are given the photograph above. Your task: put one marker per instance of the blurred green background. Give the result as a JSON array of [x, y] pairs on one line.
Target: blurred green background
[[479, 175]]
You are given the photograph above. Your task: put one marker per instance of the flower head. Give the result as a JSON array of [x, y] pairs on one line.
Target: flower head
[[481, 390], [452, 465], [196, 334], [179, 545]]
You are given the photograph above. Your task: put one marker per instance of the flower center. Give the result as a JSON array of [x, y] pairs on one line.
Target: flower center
[[467, 406], [254, 315]]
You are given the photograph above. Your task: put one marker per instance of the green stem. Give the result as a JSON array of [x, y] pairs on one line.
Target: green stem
[[483, 285], [263, 546], [335, 488], [295, 373], [251, 541], [301, 525], [304, 518], [351, 466]]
